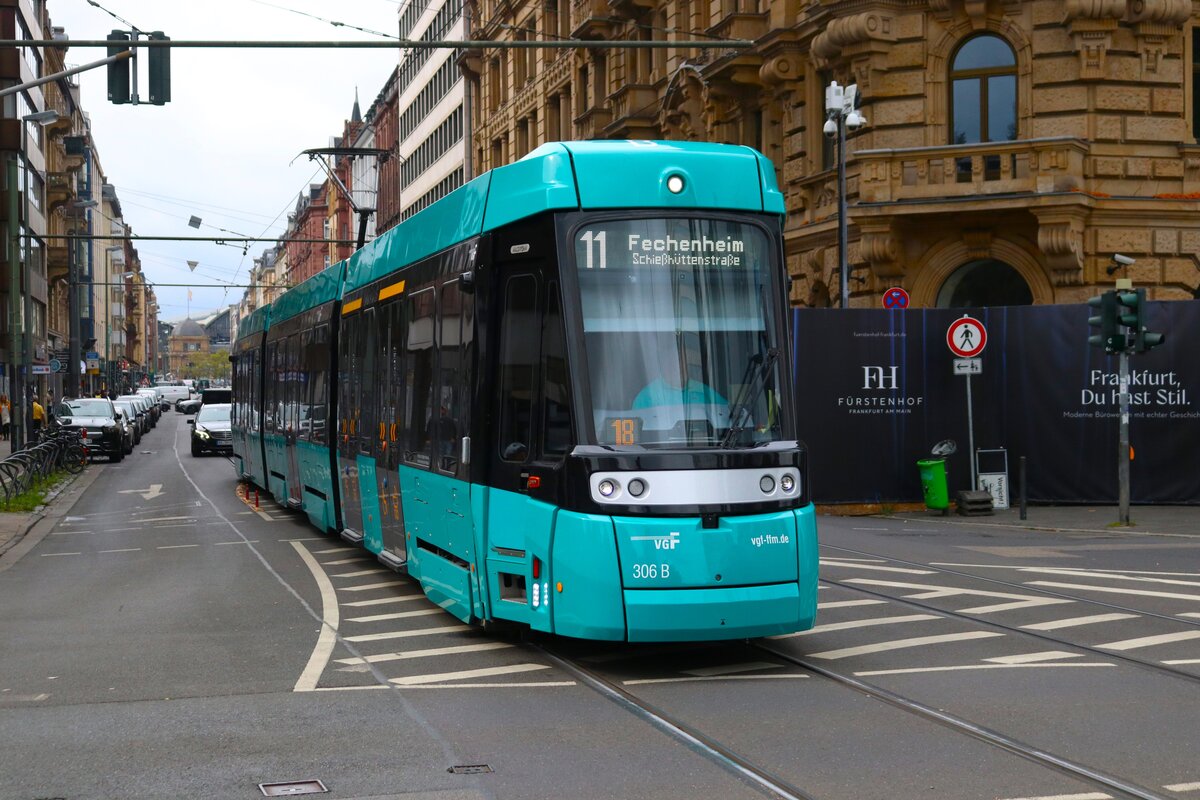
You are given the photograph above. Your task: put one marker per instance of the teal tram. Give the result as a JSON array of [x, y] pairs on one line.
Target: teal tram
[[560, 396]]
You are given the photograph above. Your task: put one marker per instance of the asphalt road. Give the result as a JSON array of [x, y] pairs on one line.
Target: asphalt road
[[165, 637]]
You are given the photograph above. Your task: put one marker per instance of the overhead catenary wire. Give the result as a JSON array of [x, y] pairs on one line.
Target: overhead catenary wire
[[399, 44]]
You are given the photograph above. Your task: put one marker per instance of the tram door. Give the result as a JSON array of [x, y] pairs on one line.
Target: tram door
[[390, 392], [294, 394], [532, 433], [350, 360]]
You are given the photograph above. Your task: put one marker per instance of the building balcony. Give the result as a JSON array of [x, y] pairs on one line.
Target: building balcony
[[1031, 166], [590, 19], [60, 189], [591, 123], [748, 27], [635, 112]]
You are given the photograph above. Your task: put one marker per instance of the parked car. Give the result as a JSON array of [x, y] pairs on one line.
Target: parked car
[[188, 406], [215, 394], [136, 416], [127, 436], [213, 432], [95, 419], [155, 399], [144, 403]]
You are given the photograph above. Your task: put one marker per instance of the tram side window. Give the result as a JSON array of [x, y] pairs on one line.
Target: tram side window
[[346, 358], [450, 395], [368, 399], [518, 362], [395, 382], [317, 367], [556, 391], [272, 387], [419, 374]]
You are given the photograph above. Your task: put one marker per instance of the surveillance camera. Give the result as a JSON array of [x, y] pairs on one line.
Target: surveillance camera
[[830, 128], [1124, 261], [855, 120]]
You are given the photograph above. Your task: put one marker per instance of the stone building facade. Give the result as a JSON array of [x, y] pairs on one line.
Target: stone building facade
[[1013, 146]]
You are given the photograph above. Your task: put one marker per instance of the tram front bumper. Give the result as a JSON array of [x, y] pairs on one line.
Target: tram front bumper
[[692, 615]]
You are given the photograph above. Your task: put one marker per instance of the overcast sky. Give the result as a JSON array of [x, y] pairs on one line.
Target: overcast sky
[[221, 148]]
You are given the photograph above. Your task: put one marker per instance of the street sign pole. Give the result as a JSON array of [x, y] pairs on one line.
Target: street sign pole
[[966, 337], [970, 433]]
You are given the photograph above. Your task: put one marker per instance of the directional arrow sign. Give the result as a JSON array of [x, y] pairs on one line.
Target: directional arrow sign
[[154, 491]]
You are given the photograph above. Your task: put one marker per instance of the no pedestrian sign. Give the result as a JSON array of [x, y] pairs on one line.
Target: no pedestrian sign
[[966, 337]]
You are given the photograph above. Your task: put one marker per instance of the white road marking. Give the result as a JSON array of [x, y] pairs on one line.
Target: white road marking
[[731, 669], [424, 612], [374, 637], [850, 603], [122, 550], [368, 586], [1029, 658], [1084, 796], [870, 529], [434, 651], [47, 555], [1183, 787], [342, 561], [878, 567], [1184, 661], [416, 680], [1112, 590], [360, 573], [335, 550], [901, 644], [329, 624], [864, 560], [1097, 572], [1074, 573], [1075, 622], [175, 546], [928, 592], [306, 539], [514, 685], [384, 600], [249, 541], [1192, 614], [972, 667], [698, 679], [1150, 641], [166, 519], [857, 623]]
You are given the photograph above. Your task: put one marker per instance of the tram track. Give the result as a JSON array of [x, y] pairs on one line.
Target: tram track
[[772, 785]]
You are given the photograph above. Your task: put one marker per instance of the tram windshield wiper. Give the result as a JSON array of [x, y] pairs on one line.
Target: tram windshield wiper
[[739, 411]]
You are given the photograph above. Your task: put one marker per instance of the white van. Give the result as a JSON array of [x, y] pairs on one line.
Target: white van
[[171, 392]]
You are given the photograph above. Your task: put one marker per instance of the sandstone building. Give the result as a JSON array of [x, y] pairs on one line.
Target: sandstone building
[[1013, 146]]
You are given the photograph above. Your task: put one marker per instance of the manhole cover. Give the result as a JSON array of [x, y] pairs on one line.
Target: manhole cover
[[469, 769], [292, 788]]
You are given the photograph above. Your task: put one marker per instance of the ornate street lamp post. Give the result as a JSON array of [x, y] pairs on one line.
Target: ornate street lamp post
[[841, 114]]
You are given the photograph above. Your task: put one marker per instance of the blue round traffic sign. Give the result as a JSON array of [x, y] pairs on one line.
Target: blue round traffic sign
[[895, 297]]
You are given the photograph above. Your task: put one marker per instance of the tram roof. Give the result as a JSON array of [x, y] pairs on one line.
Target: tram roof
[[590, 175], [256, 321], [324, 287]]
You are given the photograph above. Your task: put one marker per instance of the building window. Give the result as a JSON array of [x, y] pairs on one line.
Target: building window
[[983, 94], [1196, 83]]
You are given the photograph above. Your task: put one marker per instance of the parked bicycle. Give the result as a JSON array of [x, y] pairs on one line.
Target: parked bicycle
[[56, 448]]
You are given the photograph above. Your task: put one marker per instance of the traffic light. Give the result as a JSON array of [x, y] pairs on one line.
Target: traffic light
[[1143, 339], [160, 70], [1106, 324], [118, 71]]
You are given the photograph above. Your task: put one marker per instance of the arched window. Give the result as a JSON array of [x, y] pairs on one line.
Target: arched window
[[983, 91]]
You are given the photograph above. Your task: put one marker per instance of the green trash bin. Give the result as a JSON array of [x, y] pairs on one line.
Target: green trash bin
[[933, 483]]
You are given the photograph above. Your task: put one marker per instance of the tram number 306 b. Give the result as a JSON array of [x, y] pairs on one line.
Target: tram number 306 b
[[651, 570]]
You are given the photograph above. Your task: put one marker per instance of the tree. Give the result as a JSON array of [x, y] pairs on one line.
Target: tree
[[214, 366]]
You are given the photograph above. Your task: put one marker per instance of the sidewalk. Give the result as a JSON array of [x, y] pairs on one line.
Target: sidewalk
[[1147, 519]]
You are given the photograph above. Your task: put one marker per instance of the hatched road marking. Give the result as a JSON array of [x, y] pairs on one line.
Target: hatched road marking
[[1074, 622], [374, 637], [368, 586], [851, 603], [974, 667], [434, 651], [1112, 590], [858, 623], [902, 644], [831, 562], [417, 680], [1029, 658], [929, 592], [424, 612], [1150, 641], [384, 600]]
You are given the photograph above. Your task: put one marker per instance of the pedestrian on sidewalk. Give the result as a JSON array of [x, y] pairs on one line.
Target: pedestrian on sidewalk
[[39, 419], [5, 416]]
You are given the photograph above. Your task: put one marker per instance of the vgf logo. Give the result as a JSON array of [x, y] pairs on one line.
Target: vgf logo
[[879, 377], [668, 542]]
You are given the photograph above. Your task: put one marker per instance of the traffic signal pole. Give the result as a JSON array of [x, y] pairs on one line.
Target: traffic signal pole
[[1123, 443]]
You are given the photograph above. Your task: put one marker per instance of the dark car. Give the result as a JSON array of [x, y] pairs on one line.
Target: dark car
[[213, 395], [127, 432], [213, 433], [95, 419], [136, 415]]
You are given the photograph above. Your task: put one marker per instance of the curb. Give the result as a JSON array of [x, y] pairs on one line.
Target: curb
[[41, 522], [981, 522]]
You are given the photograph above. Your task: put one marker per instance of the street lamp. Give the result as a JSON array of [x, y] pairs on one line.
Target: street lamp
[[841, 114], [74, 354]]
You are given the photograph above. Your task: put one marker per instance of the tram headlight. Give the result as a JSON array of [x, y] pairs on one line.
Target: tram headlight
[[767, 484], [637, 487], [787, 483], [607, 488], [675, 184]]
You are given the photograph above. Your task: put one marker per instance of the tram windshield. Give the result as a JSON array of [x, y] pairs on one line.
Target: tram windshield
[[681, 332]]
